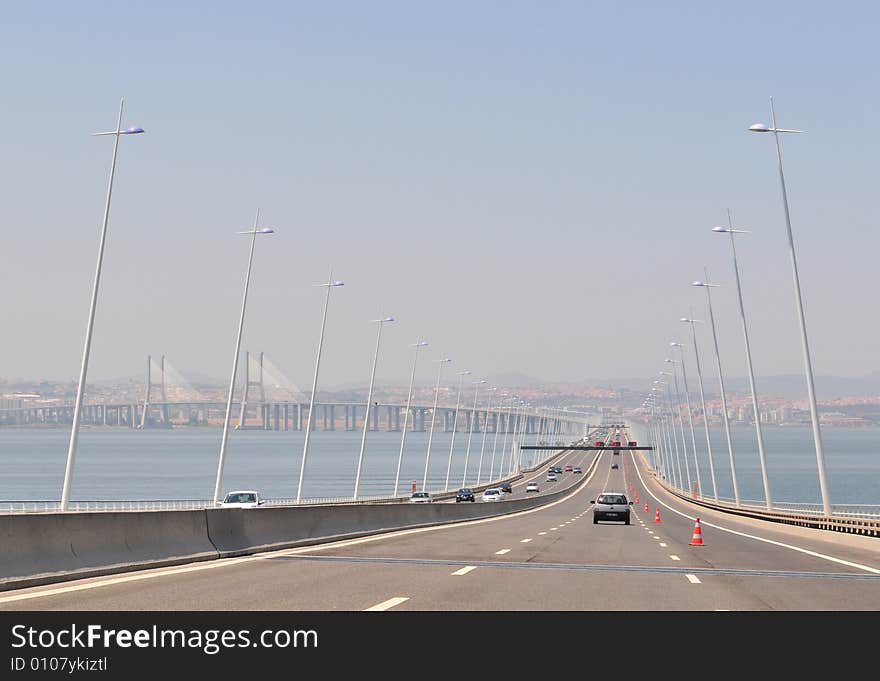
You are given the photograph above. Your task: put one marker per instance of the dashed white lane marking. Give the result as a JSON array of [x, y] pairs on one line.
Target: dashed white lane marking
[[542, 533], [390, 603], [674, 557], [465, 570], [502, 552], [656, 537], [663, 545], [693, 579], [525, 541], [554, 528]]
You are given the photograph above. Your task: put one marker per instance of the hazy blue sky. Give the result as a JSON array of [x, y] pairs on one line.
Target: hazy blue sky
[[529, 186]]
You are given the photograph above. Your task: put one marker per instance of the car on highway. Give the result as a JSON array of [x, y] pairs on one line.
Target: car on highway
[[551, 477], [532, 487], [611, 506], [246, 498], [614, 465], [506, 487], [464, 494], [492, 494], [420, 498], [569, 469], [577, 469]]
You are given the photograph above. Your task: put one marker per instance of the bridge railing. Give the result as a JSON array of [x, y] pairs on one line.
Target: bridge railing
[[861, 519]]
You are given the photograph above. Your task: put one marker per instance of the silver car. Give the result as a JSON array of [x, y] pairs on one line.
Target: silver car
[[611, 506]]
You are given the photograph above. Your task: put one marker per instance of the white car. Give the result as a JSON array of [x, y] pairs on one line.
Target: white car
[[420, 498], [493, 494], [532, 487], [551, 477], [247, 498]]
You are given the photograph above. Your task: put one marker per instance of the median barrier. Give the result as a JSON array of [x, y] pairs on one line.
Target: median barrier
[[42, 548]]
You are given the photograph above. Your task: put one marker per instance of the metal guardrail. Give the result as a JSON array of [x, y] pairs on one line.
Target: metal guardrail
[[863, 519], [108, 505]]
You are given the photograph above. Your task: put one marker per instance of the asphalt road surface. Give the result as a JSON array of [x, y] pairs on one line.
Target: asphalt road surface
[[551, 558]]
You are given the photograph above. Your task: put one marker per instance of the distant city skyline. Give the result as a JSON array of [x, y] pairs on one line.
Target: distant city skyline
[[530, 195]]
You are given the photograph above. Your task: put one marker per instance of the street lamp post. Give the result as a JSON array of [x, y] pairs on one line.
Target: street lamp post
[[680, 348], [357, 479], [486, 430], [687, 467], [461, 375], [440, 364], [707, 285], [84, 367], [673, 434], [417, 346], [730, 230], [302, 467], [811, 392], [467, 453], [665, 421], [703, 403], [247, 280]]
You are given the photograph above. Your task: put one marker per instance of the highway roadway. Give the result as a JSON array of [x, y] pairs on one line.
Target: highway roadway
[[551, 558]]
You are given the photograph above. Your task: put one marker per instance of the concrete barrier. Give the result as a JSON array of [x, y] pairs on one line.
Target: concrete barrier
[[51, 547], [238, 532], [43, 548]]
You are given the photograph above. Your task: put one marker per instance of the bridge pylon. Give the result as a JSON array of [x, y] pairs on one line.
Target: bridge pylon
[[146, 419], [248, 383]]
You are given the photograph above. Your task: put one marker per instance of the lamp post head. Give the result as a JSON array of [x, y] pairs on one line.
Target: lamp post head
[[671, 361], [730, 230], [674, 344], [704, 284], [760, 127], [420, 344], [260, 230], [385, 319], [480, 382], [127, 131], [337, 283]]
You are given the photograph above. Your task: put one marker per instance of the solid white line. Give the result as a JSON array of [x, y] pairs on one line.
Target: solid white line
[[693, 579], [815, 554], [502, 552], [465, 570], [674, 557], [525, 541], [390, 603]]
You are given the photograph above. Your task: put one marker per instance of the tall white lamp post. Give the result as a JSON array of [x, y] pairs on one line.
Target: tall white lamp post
[[461, 375], [224, 439], [707, 285], [467, 453], [417, 347], [84, 367], [357, 478], [742, 314], [331, 284], [440, 364], [811, 391]]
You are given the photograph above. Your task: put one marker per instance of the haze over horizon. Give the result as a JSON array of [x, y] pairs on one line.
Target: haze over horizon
[[532, 191]]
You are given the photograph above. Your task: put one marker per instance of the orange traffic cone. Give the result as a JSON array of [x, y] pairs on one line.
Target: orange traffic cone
[[637, 497], [657, 516], [647, 510], [698, 534]]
